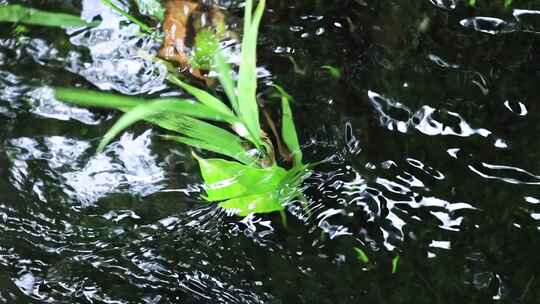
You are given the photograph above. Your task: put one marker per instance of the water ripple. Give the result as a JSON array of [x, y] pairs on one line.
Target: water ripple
[[396, 116]]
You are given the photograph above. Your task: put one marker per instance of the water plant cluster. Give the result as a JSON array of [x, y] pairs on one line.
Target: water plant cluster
[[246, 176]]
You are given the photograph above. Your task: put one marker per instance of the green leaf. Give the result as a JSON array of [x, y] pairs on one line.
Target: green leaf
[[507, 3], [131, 18], [246, 189], [201, 95], [151, 8], [274, 194], [255, 203], [171, 106], [361, 255], [224, 71], [226, 179], [288, 130], [333, 71], [90, 98], [248, 109], [169, 113], [206, 136], [215, 103], [21, 14], [242, 188], [395, 262]]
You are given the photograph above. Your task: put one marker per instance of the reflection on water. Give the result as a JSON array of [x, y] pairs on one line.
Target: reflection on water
[[428, 137]]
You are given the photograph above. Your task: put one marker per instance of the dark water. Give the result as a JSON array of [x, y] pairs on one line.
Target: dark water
[[431, 131]]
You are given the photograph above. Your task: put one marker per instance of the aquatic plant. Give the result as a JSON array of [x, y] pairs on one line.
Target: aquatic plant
[[251, 181], [20, 14], [507, 3]]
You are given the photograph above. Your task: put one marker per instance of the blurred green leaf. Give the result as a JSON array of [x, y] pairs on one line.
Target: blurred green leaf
[[395, 262], [130, 17], [361, 255], [333, 71], [288, 130], [21, 14]]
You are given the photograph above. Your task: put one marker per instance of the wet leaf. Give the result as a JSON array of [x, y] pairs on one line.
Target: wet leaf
[[202, 96], [288, 130], [156, 110], [395, 262], [361, 255], [20, 14], [224, 71], [256, 203], [333, 71], [247, 77], [128, 16], [226, 179]]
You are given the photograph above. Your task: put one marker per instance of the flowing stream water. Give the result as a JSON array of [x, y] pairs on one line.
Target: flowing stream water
[[429, 129]]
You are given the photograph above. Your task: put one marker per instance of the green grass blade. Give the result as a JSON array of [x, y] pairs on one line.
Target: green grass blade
[[201, 95], [361, 255], [248, 10], [120, 11], [288, 130], [206, 136], [395, 262], [232, 152], [171, 106], [247, 78], [224, 71], [90, 98], [21, 14], [181, 106]]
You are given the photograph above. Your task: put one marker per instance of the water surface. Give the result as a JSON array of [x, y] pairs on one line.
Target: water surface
[[430, 133]]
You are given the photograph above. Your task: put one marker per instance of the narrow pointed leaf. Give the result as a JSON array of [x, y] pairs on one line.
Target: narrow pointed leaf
[[201, 95], [224, 71], [128, 16], [361, 255], [90, 98], [288, 130], [173, 106], [247, 78], [233, 150], [21, 14]]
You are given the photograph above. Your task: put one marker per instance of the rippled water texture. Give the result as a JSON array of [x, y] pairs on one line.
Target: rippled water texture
[[430, 135]]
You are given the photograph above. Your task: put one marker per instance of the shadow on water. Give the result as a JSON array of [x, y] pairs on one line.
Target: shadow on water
[[428, 129]]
